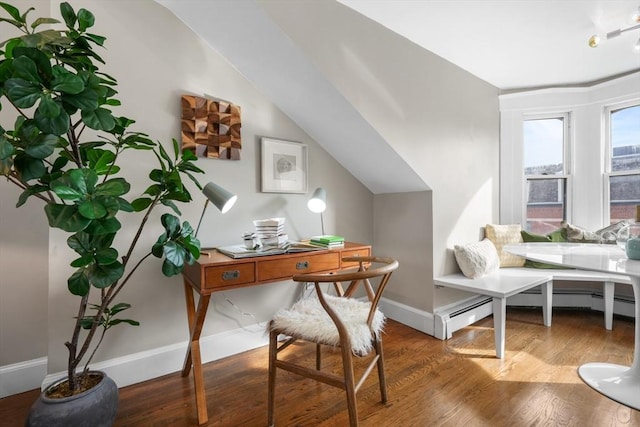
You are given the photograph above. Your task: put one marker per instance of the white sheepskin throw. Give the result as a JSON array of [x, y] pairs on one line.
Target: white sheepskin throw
[[307, 320]]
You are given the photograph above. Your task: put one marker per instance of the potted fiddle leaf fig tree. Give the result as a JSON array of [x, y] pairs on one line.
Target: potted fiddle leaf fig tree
[[65, 148]]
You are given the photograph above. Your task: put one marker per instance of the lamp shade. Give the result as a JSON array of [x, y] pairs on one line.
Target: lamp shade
[[317, 202], [221, 198]]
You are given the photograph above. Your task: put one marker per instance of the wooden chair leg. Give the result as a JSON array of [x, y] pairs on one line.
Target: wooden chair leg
[[273, 354], [381, 377], [350, 386], [318, 357]]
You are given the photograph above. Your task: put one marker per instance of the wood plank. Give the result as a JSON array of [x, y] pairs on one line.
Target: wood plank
[[430, 382]]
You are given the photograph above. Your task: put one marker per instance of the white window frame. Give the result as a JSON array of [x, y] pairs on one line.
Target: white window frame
[[608, 173], [566, 162]]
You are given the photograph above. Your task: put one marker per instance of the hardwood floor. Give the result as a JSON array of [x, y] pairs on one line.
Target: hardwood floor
[[457, 382]]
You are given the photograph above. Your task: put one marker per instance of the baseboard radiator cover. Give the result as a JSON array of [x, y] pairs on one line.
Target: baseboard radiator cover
[[623, 305], [450, 319], [456, 316]]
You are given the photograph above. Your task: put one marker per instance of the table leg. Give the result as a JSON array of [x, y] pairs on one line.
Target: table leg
[[609, 290], [193, 357], [547, 302], [620, 383], [499, 324]]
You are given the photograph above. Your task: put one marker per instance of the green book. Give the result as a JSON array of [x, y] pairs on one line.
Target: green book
[[326, 239]]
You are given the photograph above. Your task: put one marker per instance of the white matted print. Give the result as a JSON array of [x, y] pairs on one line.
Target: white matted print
[[284, 166]]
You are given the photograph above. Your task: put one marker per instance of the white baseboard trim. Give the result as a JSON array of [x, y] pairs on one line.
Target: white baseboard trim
[[137, 367], [23, 376], [146, 365], [417, 319]]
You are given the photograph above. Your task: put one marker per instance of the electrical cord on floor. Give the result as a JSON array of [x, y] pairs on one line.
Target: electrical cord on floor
[[243, 313]]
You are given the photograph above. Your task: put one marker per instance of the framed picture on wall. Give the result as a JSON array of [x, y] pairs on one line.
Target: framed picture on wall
[[284, 166]]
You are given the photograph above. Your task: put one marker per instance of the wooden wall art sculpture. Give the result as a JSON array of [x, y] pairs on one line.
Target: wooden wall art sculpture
[[211, 128]]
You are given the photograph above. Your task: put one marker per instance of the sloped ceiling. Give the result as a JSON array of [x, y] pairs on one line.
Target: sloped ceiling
[[243, 33], [517, 44]]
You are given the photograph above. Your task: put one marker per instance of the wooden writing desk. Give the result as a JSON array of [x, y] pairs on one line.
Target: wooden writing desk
[[217, 272]]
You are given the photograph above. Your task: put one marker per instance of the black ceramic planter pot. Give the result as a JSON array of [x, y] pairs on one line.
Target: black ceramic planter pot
[[93, 408]]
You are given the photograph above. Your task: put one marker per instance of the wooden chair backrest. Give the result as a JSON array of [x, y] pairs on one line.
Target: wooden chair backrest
[[369, 267]]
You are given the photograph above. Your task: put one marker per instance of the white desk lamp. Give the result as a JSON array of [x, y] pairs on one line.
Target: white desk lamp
[[221, 198], [317, 203]]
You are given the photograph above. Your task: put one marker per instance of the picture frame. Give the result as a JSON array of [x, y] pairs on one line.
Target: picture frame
[[284, 166]]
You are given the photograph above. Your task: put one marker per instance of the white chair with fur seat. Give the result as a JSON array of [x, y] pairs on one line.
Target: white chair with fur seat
[[353, 324]]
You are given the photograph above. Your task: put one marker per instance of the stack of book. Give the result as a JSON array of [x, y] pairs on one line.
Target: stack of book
[[271, 232], [328, 241]]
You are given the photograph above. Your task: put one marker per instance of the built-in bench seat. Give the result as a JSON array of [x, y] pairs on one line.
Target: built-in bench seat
[[506, 282]]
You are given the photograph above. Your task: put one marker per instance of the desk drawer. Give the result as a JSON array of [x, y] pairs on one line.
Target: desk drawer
[[229, 275], [284, 268], [354, 252]]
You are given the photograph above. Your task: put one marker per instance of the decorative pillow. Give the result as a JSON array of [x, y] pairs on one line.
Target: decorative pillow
[[501, 235], [559, 235], [606, 235], [580, 235], [609, 234], [477, 259]]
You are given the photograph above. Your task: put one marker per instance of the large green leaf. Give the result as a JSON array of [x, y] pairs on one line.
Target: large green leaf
[[141, 204], [83, 242], [43, 21], [106, 256], [38, 57], [85, 20], [65, 217], [28, 167], [174, 253], [68, 14], [48, 107], [98, 119], [170, 269], [78, 283], [56, 125], [125, 206], [92, 208], [84, 180], [6, 148], [13, 11], [22, 93], [102, 276], [113, 187], [88, 99], [24, 68], [42, 147], [29, 191], [83, 261], [66, 82], [106, 226], [101, 161], [171, 225]]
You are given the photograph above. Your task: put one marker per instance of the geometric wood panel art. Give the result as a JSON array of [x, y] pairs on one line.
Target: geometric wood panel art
[[211, 128]]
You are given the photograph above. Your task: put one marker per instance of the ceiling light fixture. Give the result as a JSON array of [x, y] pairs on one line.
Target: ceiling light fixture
[[594, 40]]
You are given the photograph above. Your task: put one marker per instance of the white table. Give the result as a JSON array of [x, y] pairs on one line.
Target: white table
[[620, 383]]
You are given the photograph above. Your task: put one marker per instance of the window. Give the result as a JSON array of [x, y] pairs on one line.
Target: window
[[546, 172], [623, 161]]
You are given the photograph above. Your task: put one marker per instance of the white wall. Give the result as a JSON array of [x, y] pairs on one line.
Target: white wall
[[24, 263], [156, 59], [586, 107], [442, 121]]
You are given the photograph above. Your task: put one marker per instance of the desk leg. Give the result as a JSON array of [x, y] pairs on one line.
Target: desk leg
[[193, 358], [499, 324]]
